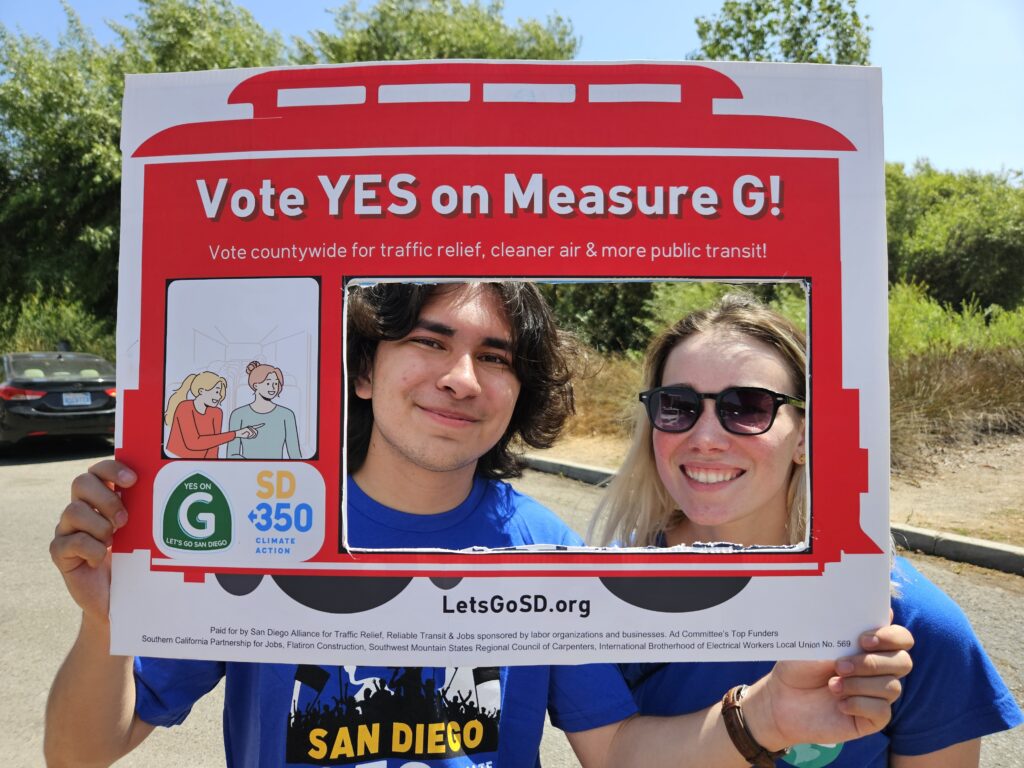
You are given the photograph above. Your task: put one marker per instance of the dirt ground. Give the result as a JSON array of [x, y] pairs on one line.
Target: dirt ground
[[975, 492]]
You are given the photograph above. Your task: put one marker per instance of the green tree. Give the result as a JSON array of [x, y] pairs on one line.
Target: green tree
[[610, 317], [60, 164], [189, 35], [815, 31], [670, 301], [961, 235], [60, 118], [435, 29]]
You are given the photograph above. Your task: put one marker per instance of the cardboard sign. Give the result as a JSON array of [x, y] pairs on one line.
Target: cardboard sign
[[254, 200]]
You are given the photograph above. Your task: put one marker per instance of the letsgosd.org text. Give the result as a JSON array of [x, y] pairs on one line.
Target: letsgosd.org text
[[515, 604]]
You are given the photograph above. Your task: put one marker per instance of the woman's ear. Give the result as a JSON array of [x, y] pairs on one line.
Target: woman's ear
[[800, 452]]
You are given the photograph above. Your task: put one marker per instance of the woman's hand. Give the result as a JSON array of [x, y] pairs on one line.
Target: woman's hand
[[247, 433], [824, 702]]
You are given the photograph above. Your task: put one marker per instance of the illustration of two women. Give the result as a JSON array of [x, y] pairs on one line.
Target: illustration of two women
[[261, 430], [196, 422]]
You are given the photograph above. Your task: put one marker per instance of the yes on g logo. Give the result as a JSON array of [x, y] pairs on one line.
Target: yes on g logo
[[197, 517]]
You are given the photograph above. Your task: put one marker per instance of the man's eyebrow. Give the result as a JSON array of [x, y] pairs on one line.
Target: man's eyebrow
[[435, 327], [495, 343], [446, 330]]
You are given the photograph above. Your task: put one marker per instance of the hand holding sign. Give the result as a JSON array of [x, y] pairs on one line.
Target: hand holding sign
[[81, 544]]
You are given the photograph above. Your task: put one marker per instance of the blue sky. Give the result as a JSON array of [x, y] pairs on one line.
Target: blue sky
[[953, 71]]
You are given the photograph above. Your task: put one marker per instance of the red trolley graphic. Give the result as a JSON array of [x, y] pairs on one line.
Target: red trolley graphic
[[471, 171]]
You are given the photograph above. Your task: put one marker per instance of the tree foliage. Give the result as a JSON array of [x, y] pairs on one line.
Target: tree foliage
[[42, 323], [814, 31], [60, 119], [921, 325], [610, 317], [189, 35], [961, 235], [435, 29], [670, 301], [60, 108]]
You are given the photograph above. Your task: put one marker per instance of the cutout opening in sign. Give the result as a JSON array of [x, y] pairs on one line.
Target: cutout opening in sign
[[451, 384]]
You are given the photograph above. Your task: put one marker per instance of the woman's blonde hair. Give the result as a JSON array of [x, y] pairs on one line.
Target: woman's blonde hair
[[636, 508], [192, 383]]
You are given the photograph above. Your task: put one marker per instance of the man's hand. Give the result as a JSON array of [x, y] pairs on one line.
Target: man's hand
[[830, 702], [81, 543], [90, 713]]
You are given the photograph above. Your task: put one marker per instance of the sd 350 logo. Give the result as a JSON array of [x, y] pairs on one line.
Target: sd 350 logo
[[197, 517]]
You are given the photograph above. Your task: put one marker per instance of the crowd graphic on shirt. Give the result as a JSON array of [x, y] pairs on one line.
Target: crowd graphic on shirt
[[348, 715]]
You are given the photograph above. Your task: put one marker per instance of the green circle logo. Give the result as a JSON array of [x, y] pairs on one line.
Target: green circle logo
[[197, 517], [812, 755]]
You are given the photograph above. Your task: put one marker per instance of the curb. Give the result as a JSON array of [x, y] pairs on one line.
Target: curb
[[963, 549], [582, 472], [950, 546]]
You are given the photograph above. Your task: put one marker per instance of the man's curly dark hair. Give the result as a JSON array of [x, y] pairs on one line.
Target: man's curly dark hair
[[543, 358]]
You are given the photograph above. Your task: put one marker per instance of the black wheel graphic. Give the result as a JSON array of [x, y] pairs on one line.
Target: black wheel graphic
[[331, 594], [239, 584], [445, 582], [675, 594], [342, 594]]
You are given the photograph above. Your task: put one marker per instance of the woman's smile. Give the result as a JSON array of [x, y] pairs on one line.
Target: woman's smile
[[710, 475]]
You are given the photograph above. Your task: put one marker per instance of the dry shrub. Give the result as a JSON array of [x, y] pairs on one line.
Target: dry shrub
[[606, 394], [954, 399]]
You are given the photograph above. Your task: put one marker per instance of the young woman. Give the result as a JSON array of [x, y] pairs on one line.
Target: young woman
[[196, 422], [718, 454], [278, 435]]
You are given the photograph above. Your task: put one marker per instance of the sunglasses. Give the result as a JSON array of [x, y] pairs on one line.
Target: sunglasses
[[740, 410]]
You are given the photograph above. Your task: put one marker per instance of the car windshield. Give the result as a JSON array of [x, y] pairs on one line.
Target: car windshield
[[60, 366]]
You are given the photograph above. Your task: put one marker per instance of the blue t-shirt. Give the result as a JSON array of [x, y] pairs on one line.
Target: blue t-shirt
[[348, 715], [953, 693]]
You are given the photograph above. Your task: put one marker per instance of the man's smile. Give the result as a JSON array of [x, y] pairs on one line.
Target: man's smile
[[449, 416]]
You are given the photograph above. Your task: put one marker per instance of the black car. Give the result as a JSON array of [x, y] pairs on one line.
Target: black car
[[57, 394]]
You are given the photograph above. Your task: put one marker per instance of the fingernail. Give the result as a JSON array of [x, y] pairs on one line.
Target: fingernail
[[844, 667], [120, 518], [870, 641], [125, 477], [835, 684]]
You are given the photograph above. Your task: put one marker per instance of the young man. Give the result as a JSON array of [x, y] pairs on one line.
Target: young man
[[443, 378]]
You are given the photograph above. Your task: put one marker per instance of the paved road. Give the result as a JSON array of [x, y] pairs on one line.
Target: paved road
[[993, 601], [39, 620]]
